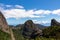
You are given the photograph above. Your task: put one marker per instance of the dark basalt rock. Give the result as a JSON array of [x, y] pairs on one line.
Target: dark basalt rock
[[54, 23], [30, 31]]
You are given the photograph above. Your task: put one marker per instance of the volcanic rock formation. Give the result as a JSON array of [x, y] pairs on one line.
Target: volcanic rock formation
[[54, 23], [30, 31], [3, 24]]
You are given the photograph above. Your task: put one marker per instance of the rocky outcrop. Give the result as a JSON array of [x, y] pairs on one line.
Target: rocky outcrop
[[30, 31], [54, 23], [3, 24]]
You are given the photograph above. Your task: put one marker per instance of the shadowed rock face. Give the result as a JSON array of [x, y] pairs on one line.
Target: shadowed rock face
[[3, 24], [54, 23], [30, 31]]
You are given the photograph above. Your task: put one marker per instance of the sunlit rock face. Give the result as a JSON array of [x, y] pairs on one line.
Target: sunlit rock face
[[54, 23], [30, 30], [3, 24]]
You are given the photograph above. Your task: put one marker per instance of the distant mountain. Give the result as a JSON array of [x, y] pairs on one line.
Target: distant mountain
[[47, 24], [30, 30], [40, 26], [36, 25]]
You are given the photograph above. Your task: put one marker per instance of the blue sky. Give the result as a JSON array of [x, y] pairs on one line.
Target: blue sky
[[40, 11]]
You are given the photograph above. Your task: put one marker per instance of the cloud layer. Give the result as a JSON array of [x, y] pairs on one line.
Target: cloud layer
[[41, 22], [18, 11]]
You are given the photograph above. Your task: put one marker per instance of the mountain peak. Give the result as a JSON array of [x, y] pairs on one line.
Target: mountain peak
[[54, 23], [30, 30]]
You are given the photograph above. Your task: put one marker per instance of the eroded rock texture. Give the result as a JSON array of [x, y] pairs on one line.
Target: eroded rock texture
[[54, 23], [3, 24], [30, 31]]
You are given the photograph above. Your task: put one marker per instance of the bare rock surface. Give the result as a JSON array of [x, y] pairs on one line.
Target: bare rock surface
[[4, 26], [54, 23], [30, 31]]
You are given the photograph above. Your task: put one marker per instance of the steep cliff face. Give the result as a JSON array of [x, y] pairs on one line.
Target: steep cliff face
[[3, 24], [54, 23], [30, 31]]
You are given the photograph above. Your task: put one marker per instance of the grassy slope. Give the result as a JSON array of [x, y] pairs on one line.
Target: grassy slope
[[4, 36]]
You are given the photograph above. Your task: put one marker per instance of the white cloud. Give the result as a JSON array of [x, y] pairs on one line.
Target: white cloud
[[56, 11], [8, 5], [18, 11], [19, 6], [21, 13], [47, 12], [41, 22], [43, 12]]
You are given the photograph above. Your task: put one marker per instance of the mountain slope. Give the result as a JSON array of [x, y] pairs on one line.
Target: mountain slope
[[4, 27], [4, 36], [3, 24], [40, 26], [18, 34], [19, 26], [53, 31]]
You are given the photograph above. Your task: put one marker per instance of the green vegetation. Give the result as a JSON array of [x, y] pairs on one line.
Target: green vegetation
[[48, 34], [52, 32], [18, 34], [4, 36]]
